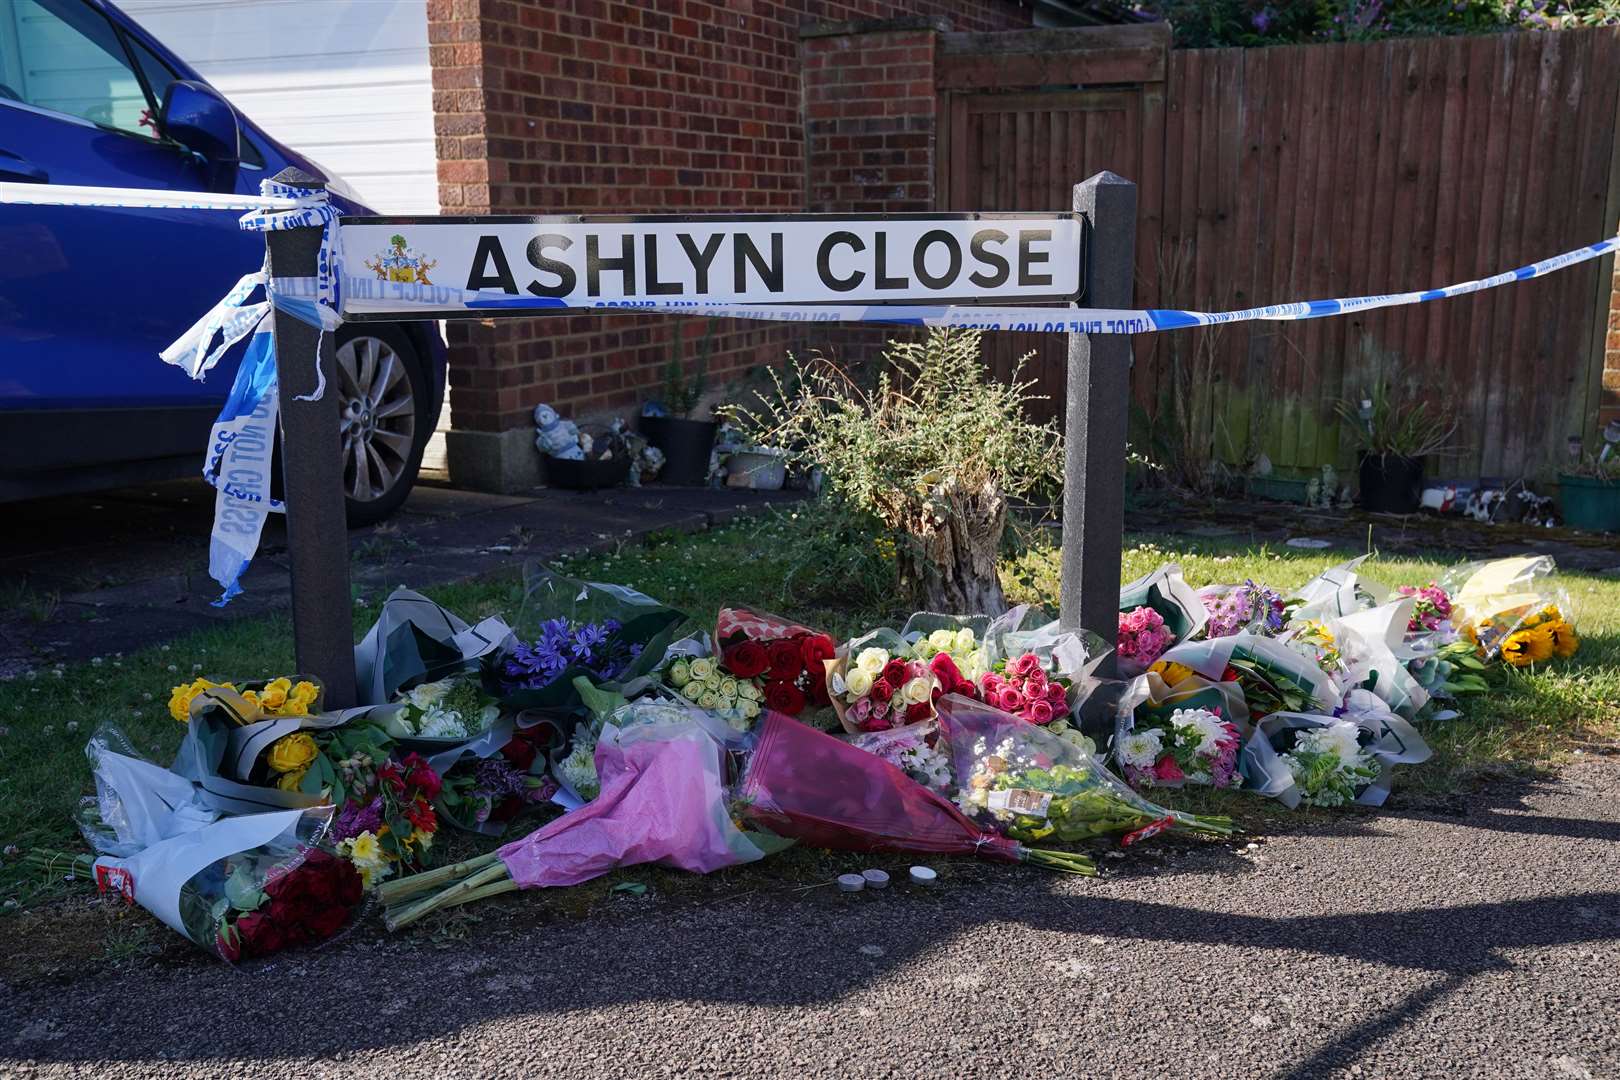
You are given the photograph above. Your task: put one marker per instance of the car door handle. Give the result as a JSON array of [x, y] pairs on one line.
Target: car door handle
[[15, 169]]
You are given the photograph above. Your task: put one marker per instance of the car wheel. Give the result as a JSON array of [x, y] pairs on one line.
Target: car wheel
[[384, 415]]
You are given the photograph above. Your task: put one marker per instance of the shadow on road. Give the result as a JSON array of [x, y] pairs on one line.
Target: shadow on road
[[778, 955]]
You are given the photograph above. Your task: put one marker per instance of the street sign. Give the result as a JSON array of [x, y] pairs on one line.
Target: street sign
[[446, 267]]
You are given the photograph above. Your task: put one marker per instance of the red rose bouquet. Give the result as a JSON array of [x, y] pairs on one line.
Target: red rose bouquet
[[784, 661], [240, 887]]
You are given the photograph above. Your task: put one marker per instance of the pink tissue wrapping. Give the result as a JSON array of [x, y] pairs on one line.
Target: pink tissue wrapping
[[661, 801]]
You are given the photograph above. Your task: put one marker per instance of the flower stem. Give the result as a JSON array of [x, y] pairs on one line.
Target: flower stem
[[63, 863], [392, 892], [494, 888], [440, 899], [1066, 862]]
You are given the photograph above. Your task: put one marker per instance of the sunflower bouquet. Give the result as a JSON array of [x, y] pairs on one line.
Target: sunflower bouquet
[[1508, 611]]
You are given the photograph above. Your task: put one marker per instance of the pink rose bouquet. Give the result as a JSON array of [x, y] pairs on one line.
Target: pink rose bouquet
[[1022, 686], [1143, 638]]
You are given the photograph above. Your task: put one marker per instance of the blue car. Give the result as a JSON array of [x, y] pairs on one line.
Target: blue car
[[89, 296]]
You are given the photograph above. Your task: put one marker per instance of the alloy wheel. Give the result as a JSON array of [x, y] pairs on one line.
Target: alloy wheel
[[377, 414]]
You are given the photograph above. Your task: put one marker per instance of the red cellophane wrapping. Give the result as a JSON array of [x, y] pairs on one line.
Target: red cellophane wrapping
[[806, 785]]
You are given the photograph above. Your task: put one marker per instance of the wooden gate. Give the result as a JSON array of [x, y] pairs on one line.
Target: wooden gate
[[1027, 115]]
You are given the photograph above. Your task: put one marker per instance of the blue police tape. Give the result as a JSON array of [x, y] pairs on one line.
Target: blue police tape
[[407, 298], [237, 461]]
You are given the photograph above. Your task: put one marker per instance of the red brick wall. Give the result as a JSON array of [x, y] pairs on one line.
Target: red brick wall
[[551, 106]]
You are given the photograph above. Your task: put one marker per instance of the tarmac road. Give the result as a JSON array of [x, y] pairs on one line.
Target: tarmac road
[[1479, 938]]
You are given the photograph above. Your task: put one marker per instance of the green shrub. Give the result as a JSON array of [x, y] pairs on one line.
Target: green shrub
[[932, 450]]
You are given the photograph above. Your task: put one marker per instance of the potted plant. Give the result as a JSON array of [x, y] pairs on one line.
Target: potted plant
[[1590, 493], [1393, 435], [686, 443]]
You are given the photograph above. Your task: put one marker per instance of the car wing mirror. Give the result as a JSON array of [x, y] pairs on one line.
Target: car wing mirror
[[199, 119]]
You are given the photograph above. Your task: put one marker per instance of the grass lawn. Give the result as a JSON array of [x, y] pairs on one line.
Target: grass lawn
[[46, 716]]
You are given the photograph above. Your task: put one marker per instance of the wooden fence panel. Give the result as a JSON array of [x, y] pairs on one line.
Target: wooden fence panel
[[1304, 172], [1310, 171]]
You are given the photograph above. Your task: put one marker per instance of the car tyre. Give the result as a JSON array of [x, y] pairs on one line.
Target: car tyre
[[385, 417]]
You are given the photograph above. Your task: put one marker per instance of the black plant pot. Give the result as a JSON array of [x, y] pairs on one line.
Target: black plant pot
[[586, 475], [1391, 484], [686, 445]]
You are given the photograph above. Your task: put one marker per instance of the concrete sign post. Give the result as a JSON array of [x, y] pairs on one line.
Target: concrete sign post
[[312, 467], [1097, 411]]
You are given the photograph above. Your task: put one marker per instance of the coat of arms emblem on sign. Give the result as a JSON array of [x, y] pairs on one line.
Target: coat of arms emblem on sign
[[401, 263]]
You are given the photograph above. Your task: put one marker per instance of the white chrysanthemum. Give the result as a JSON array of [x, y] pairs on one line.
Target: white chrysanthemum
[[578, 769], [871, 660], [1141, 748], [1205, 723], [427, 695], [1343, 738], [442, 724]]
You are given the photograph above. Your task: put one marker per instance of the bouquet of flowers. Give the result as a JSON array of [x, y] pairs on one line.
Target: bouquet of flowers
[[912, 750], [876, 688], [442, 713], [597, 650], [1143, 637], [1322, 760], [662, 800], [1271, 676], [1328, 765], [1432, 612], [265, 887], [246, 763], [415, 641], [608, 634], [1031, 785], [1510, 611], [1180, 612], [783, 662], [487, 795], [809, 786], [960, 646], [1249, 606], [707, 685], [1187, 746], [389, 819], [1021, 686], [270, 698], [239, 887]]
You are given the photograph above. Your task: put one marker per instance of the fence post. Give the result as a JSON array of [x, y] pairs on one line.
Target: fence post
[[1096, 417], [312, 471]]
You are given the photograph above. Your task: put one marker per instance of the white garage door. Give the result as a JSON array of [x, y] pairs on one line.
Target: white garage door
[[346, 84]]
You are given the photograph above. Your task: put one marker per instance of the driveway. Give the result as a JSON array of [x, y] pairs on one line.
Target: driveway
[[91, 575], [1472, 937]]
